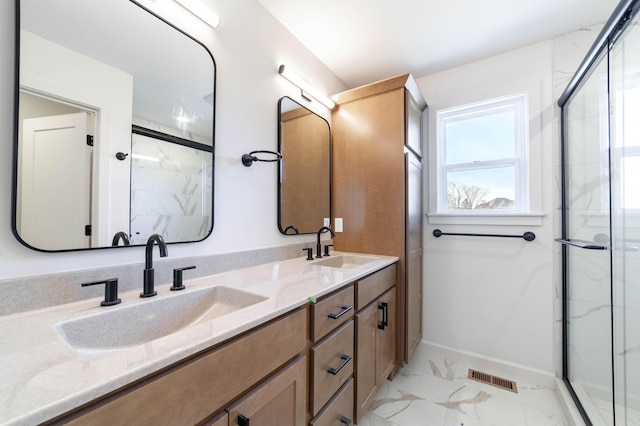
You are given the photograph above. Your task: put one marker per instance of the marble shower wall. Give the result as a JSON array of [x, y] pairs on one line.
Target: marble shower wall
[[171, 191]]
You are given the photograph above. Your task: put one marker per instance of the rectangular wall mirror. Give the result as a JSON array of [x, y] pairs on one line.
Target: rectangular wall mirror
[[114, 130], [304, 175]]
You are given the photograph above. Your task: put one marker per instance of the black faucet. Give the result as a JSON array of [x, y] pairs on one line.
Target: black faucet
[[319, 246], [148, 285], [120, 236]]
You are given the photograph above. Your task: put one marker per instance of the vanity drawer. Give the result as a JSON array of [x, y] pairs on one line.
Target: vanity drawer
[[339, 410], [331, 365], [369, 288], [331, 312]]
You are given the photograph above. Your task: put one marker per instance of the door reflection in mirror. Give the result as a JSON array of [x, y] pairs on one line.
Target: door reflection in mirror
[[54, 154]]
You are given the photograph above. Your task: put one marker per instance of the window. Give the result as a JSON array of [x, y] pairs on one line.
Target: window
[[626, 147], [482, 161]]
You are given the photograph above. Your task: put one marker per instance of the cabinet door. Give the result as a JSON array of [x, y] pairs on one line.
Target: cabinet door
[[279, 401], [376, 333], [413, 126], [368, 183], [386, 336], [366, 330], [413, 271]]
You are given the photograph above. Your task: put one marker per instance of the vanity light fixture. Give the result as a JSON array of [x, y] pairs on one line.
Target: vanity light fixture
[[201, 11], [305, 87]]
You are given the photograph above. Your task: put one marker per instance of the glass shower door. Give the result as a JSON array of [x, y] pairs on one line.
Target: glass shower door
[[587, 258], [625, 211]]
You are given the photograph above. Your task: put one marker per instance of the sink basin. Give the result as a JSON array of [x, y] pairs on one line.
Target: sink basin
[[345, 261], [148, 320]]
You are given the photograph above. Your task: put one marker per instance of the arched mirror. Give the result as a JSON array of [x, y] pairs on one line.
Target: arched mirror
[[114, 130], [304, 190]]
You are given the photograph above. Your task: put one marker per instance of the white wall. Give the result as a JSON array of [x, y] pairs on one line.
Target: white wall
[[492, 298], [248, 47], [495, 302]]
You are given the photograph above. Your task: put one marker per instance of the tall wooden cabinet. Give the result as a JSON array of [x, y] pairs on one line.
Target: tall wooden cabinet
[[377, 187]]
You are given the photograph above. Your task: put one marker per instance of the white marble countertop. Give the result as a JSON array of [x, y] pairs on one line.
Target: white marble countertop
[[42, 376]]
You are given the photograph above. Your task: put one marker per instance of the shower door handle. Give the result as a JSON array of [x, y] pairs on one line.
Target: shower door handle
[[582, 244]]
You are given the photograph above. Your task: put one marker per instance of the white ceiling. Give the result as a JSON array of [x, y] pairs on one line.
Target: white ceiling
[[367, 40]]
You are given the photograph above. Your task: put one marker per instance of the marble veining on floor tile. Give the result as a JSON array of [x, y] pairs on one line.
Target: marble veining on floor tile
[[431, 391]]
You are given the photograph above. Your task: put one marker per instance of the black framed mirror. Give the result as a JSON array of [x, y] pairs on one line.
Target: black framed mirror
[[304, 174], [97, 84]]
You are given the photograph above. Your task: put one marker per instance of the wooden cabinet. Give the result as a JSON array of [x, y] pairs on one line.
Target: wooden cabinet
[[279, 401], [201, 386], [332, 357], [375, 349], [304, 367], [377, 187]]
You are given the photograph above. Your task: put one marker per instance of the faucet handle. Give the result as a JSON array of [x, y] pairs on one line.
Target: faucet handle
[[309, 252], [110, 291], [326, 249], [177, 278]]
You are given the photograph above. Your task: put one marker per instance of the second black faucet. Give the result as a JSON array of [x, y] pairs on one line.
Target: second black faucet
[[319, 246]]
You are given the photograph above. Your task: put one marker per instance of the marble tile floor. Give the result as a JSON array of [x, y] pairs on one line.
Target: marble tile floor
[[624, 415], [431, 391]]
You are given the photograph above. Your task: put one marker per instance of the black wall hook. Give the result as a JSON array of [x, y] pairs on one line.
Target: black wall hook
[[248, 159]]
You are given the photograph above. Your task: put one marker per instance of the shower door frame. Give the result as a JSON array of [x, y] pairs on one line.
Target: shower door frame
[[612, 29]]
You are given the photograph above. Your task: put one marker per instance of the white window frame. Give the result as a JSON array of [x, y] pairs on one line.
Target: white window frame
[[518, 103]]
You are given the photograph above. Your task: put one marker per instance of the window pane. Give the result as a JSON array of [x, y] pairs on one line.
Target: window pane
[[481, 189], [629, 102], [480, 137], [630, 178]]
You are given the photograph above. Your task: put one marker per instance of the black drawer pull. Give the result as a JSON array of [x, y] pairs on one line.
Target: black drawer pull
[[345, 360], [386, 313], [345, 420], [345, 309], [243, 421], [384, 307]]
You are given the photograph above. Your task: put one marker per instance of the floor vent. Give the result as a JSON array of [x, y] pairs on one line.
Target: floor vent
[[499, 382]]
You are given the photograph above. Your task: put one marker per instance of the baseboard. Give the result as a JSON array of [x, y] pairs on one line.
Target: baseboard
[[493, 366]]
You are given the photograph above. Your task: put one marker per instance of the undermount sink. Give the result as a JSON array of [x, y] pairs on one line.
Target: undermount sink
[[345, 261], [148, 320]]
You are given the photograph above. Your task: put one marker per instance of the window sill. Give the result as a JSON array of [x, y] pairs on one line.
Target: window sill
[[516, 219]]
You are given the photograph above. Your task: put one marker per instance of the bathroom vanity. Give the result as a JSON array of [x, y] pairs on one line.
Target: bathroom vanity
[[287, 343]]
